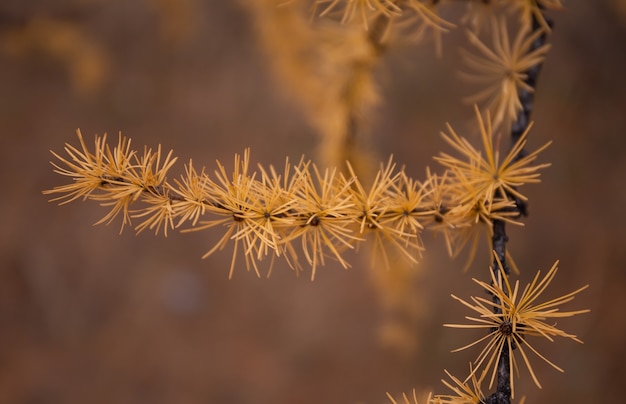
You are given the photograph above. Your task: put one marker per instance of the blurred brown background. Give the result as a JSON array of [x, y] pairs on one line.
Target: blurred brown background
[[89, 316]]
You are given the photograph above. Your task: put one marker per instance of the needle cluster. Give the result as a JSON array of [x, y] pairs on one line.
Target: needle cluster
[[511, 317], [500, 70]]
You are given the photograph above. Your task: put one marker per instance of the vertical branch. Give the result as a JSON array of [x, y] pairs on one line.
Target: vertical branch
[[498, 243], [499, 237], [527, 97]]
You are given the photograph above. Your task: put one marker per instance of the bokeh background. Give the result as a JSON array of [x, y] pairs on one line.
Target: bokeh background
[[91, 316]]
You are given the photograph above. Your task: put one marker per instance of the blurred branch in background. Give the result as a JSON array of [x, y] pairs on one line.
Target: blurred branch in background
[[65, 43]]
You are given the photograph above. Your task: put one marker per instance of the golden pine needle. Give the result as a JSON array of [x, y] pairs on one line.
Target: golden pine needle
[[408, 399], [464, 393]]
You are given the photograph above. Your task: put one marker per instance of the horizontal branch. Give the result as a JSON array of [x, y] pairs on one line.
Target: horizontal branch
[[266, 212]]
